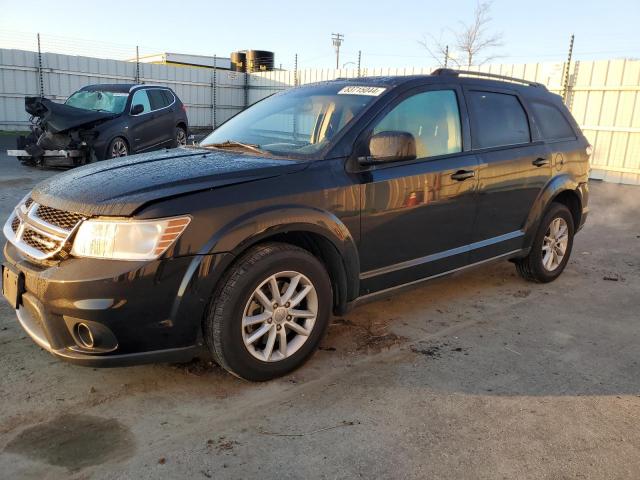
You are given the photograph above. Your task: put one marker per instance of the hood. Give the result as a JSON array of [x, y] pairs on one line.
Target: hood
[[60, 117], [121, 186]]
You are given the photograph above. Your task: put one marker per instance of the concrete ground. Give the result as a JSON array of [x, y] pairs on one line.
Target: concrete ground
[[480, 375]]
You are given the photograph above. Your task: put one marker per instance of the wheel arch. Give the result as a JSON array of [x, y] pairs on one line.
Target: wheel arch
[[319, 232], [562, 189]]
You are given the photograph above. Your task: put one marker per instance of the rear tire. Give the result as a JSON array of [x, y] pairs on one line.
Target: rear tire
[[257, 334], [179, 137], [551, 247]]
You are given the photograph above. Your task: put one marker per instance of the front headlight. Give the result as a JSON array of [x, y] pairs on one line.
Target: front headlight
[[127, 239]]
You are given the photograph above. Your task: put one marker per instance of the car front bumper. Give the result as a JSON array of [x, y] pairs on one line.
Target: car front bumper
[[137, 312]]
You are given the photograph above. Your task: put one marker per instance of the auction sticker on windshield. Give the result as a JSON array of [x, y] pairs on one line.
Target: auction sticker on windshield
[[360, 90]]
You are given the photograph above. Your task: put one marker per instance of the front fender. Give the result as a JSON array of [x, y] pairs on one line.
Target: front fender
[[259, 225], [556, 186]]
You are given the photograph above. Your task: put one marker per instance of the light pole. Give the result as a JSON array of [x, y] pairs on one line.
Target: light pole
[[337, 39]]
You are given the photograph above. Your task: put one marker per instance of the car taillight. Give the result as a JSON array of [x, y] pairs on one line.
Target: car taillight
[[589, 150], [184, 109]]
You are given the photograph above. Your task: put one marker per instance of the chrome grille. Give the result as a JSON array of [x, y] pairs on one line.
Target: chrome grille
[[39, 231], [59, 218], [39, 242]]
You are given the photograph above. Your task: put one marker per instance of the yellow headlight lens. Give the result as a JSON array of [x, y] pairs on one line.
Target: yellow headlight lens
[[127, 240]]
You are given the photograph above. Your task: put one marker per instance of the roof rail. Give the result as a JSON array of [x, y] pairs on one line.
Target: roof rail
[[467, 73]]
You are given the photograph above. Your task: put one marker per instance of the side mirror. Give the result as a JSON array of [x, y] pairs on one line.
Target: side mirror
[[390, 147], [137, 109]]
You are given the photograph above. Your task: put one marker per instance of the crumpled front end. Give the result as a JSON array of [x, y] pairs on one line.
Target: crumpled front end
[[58, 130]]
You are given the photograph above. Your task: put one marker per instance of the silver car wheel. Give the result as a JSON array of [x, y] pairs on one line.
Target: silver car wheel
[[554, 244], [119, 149], [279, 316], [181, 137]]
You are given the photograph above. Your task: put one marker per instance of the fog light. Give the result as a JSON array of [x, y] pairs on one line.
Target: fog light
[[84, 335]]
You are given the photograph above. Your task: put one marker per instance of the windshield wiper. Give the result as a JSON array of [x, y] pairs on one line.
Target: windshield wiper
[[234, 143]]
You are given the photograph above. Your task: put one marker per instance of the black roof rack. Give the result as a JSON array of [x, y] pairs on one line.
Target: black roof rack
[[467, 73]]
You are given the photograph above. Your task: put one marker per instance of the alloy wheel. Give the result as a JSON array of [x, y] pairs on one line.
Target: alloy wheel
[[119, 149], [554, 244], [181, 137], [279, 316]]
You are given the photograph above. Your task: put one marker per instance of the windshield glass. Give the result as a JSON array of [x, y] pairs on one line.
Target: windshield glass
[[113, 102], [297, 122]]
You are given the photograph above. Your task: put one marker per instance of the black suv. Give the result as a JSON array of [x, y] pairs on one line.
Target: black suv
[[102, 121], [305, 204]]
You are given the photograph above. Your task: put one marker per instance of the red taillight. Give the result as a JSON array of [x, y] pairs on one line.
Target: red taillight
[[184, 109]]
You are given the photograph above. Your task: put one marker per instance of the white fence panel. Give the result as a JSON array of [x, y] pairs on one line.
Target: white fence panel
[[604, 96]]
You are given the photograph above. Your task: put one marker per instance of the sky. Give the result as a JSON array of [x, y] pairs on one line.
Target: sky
[[387, 33]]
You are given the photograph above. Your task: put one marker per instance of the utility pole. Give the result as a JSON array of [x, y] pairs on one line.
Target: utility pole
[[337, 39], [359, 61], [446, 56], [565, 87]]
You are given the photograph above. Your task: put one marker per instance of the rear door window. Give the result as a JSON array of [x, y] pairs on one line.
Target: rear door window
[[552, 123], [157, 99], [498, 120], [141, 98], [431, 117]]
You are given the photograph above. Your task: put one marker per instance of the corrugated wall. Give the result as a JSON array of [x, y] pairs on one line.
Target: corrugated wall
[[603, 95]]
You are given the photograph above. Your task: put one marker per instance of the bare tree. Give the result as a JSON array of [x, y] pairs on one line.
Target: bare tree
[[436, 48], [472, 41]]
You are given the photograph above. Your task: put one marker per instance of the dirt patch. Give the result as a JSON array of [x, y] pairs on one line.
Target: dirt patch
[[75, 442], [223, 444], [436, 350], [371, 336], [197, 367]]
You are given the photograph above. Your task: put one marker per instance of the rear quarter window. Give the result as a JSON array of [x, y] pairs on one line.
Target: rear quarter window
[[157, 99], [168, 96], [552, 123], [498, 119]]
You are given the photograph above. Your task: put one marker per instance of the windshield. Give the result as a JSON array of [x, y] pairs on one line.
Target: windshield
[[113, 102], [297, 122]]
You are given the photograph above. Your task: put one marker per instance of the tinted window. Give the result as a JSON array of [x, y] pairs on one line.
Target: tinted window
[[498, 119], [141, 98], [168, 96], [552, 123], [157, 99], [431, 117]]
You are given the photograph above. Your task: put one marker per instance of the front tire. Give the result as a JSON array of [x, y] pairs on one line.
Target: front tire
[[269, 313], [118, 147], [551, 247]]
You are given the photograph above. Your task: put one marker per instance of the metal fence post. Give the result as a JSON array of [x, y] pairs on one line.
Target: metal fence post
[[137, 65], [565, 86], [214, 87], [40, 73], [246, 89]]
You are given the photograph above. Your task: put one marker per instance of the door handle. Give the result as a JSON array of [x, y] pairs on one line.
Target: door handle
[[539, 162], [462, 175]]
